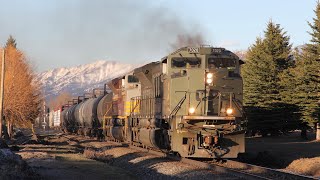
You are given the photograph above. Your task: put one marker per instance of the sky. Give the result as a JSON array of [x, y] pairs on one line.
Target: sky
[[65, 33]]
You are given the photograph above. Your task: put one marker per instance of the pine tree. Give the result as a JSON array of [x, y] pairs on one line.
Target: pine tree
[[266, 60], [253, 73], [11, 42], [306, 74]]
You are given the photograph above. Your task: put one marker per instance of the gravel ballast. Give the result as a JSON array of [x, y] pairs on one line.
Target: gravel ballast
[[149, 166]]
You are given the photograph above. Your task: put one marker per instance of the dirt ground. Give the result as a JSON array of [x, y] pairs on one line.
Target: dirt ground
[[62, 158], [289, 152]]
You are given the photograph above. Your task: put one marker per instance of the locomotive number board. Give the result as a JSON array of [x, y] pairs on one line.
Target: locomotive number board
[[193, 50], [216, 50]]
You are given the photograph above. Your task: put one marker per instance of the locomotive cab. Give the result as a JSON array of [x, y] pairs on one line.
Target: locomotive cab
[[203, 102]]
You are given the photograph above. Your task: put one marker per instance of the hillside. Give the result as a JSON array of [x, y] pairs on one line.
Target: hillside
[[82, 78]]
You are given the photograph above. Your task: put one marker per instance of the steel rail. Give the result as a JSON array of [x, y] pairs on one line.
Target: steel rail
[[264, 172], [246, 170], [201, 164]]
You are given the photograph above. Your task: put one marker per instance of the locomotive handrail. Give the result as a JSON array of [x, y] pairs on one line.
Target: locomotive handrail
[[178, 106], [136, 105], [146, 105], [108, 109], [238, 104]]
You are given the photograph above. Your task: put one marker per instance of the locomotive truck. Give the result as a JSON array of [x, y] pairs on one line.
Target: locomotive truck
[[188, 103]]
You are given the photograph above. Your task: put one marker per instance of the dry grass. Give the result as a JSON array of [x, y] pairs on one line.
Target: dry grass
[[306, 166]]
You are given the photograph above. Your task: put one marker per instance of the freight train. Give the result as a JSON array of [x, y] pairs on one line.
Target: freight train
[[188, 103]]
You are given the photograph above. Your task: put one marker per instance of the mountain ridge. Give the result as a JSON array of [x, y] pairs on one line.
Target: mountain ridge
[[82, 78]]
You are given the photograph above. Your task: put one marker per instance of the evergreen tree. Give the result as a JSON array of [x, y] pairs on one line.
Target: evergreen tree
[[11, 42], [305, 77], [277, 46], [253, 74], [288, 81], [266, 60]]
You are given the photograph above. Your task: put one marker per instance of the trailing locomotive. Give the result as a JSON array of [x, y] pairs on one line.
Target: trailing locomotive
[[189, 103]]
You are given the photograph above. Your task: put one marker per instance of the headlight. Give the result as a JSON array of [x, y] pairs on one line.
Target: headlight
[[192, 110], [209, 81], [229, 111], [209, 78], [209, 75]]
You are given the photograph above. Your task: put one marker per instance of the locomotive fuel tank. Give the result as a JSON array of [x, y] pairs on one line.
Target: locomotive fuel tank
[[151, 137], [117, 132]]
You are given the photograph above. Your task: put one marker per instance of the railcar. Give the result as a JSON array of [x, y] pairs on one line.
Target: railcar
[[189, 103]]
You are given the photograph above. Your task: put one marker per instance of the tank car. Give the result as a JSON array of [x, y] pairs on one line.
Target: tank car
[[69, 122], [85, 114], [64, 110]]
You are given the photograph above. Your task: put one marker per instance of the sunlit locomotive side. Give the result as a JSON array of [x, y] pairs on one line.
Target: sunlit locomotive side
[[118, 109], [190, 104]]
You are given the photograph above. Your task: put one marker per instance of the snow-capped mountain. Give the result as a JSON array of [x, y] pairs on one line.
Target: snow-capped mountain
[[82, 78]]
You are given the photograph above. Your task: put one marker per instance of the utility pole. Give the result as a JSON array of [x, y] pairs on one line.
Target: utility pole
[[2, 90], [318, 132], [44, 116]]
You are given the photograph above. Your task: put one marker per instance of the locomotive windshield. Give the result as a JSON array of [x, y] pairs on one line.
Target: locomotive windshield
[[221, 62], [183, 62], [132, 79]]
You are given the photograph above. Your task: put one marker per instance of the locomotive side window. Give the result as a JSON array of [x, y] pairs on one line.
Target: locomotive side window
[[185, 62], [221, 62], [132, 79], [178, 62]]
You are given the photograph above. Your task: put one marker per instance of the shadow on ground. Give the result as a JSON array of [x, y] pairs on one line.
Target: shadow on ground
[[279, 152]]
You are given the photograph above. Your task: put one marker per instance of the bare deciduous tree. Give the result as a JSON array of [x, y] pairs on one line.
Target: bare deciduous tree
[[21, 93]]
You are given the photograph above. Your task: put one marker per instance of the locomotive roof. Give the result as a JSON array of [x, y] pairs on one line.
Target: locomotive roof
[[203, 49]]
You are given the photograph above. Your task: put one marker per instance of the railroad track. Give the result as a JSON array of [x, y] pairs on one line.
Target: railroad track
[[238, 169], [241, 170]]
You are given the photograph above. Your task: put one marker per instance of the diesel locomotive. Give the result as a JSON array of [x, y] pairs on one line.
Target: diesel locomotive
[[189, 103]]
